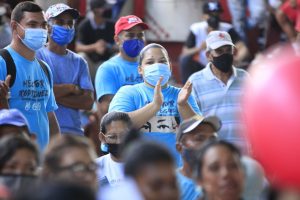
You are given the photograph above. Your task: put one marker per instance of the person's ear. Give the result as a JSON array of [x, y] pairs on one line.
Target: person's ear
[[117, 40], [208, 55], [179, 147], [170, 64], [140, 70], [235, 51], [101, 137], [13, 25], [49, 29]]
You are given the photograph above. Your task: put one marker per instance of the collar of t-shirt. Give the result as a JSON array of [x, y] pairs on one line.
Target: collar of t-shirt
[[209, 75]]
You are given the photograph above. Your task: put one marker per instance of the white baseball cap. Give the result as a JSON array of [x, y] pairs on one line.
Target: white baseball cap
[[216, 39], [59, 8]]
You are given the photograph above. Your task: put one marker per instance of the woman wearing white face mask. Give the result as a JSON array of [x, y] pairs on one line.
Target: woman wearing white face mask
[[155, 106]]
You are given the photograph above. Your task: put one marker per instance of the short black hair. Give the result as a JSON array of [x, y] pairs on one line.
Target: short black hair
[[206, 146], [10, 144], [59, 145], [142, 153], [150, 46], [26, 6], [108, 118], [97, 4]]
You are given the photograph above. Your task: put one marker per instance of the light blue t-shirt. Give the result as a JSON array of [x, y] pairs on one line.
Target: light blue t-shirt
[[164, 125], [188, 188], [32, 94], [115, 73], [67, 69]]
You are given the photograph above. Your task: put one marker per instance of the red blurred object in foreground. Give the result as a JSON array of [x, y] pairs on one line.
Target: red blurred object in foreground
[[272, 115], [4, 193]]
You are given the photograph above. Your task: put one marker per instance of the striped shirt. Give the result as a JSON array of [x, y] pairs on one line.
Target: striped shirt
[[223, 100]]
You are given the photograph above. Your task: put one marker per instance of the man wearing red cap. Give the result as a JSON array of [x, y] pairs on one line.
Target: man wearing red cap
[[121, 69]]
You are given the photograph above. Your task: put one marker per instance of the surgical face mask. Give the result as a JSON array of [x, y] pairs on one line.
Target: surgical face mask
[[223, 62], [62, 35], [35, 38], [104, 147], [133, 47], [153, 72]]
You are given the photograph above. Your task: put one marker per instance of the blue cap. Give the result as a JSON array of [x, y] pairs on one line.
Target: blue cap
[[12, 117]]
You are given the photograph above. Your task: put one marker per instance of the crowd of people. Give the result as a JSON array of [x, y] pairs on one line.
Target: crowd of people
[[102, 121]]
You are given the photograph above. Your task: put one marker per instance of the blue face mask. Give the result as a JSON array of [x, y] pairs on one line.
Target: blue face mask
[[153, 72], [35, 38], [62, 35], [133, 47]]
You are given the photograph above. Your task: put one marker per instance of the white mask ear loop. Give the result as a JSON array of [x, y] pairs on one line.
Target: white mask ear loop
[[23, 30]]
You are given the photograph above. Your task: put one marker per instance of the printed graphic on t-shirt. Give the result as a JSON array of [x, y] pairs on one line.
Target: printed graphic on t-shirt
[[161, 124], [33, 92], [132, 79], [168, 108]]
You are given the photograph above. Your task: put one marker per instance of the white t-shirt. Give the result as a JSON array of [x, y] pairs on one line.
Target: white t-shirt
[[126, 190], [109, 171]]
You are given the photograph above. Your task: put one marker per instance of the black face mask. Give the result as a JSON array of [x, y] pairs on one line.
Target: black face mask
[[213, 21], [16, 183], [114, 149], [188, 155], [223, 62]]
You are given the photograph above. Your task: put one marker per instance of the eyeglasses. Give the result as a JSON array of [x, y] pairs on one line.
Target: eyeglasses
[[114, 137], [79, 168]]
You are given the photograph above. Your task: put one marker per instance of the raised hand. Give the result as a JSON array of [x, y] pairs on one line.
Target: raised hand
[[4, 92], [158, 97], [184, 93]]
